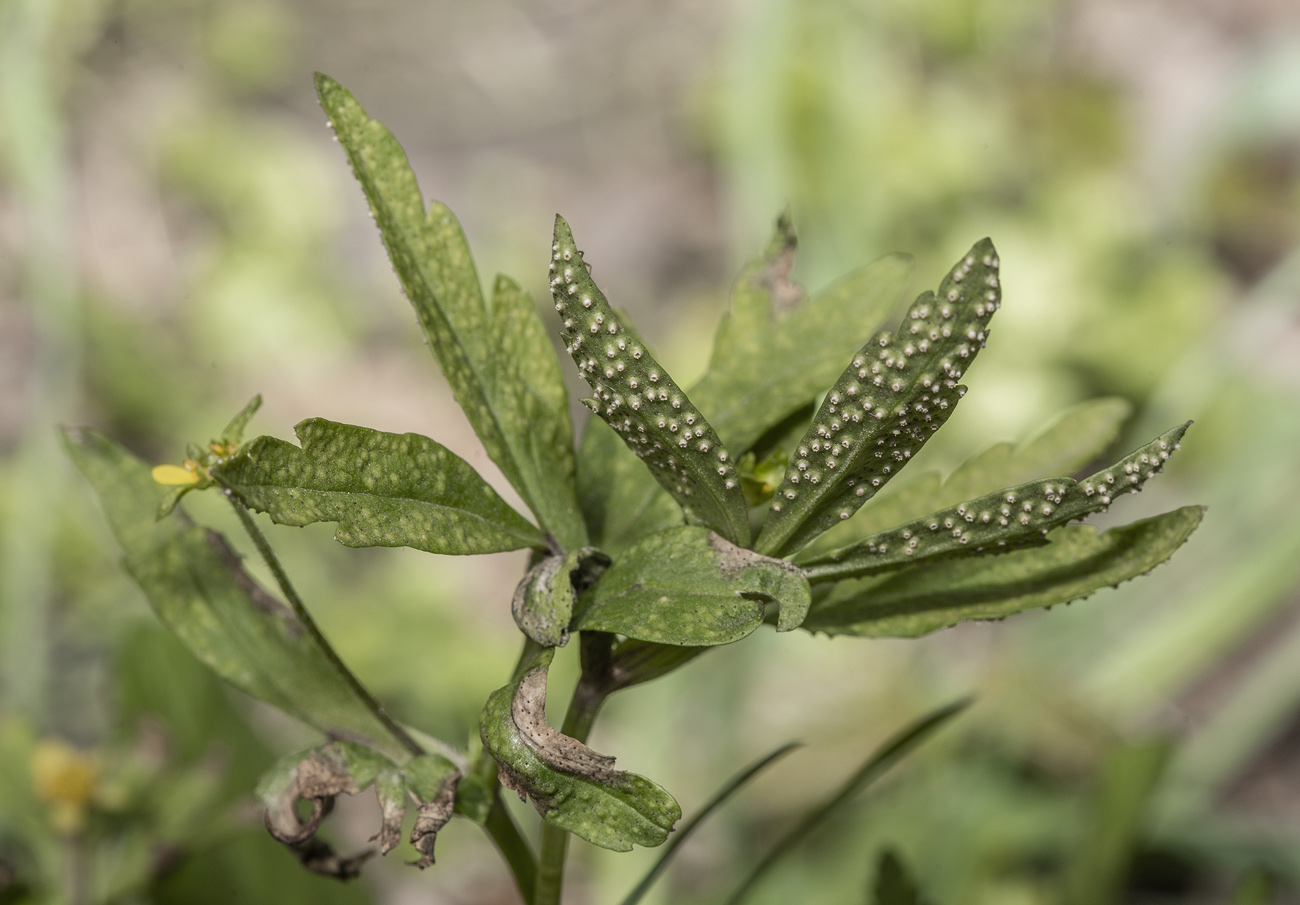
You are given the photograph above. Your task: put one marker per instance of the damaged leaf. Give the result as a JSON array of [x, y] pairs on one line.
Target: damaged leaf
[[997, 522], [688, 586], [498, 361], [1074, 563], [197, 586], [543, 601], [384, 490], [620, 498], [640, 400], [572, 786], [896, 392], [322, 774]]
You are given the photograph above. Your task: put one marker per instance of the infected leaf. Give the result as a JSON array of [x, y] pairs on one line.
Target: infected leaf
[[543, 601], [997, 522], [1075, 562], [894, 395], [641, 402], [384, 490], [688, 586], [571, 786]]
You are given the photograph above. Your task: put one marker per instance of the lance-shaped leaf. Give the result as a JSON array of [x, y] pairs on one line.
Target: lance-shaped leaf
[[1076, 562], [543, 601], [896, 392], [197, 586], [638, 398], [997, 522], [688, 586], [384, 490], [1074, 438], [776, 351], [337, 768], [571, 786], [499, 363]]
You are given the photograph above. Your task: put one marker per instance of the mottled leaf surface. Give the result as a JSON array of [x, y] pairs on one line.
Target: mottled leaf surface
[[776, 350], [197, 586], [543, 601], [384, 490], [1074, 438], [896, 392], [688, 586], [1076, 562], [997, 522], [571, 786], [620, 498], [495, 361], [641, 402]]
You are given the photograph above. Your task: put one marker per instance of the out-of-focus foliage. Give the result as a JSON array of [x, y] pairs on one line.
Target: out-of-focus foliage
[[167, 185]]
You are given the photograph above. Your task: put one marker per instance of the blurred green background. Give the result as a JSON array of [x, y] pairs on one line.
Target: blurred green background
[[178, 231]]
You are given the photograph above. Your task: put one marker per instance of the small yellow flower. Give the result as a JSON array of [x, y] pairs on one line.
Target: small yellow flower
[[66, 779], [176, 474]]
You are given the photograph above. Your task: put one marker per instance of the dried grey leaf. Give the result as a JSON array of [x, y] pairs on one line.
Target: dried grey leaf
[[432, 817], [554, 748]]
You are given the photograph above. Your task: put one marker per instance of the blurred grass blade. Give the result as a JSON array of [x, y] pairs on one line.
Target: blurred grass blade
[[197, 586], [895, 393], [1100, 864], [776, 350], [1255, 889], [687, 586], [884, 757], [641, 402], [894, 884], [1076, 562], [499, 363], [998, 522], [384, 490], [720, 797]]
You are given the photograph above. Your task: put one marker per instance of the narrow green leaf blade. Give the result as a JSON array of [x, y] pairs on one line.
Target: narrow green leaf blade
[[196, 585], [688, 586], [384, 490], [1075, 562], [775, 351], [571, 786], [998, 522], [496, 370], [719, 798], [1075, 437], [893, 750], [896, 392], [643, 404]]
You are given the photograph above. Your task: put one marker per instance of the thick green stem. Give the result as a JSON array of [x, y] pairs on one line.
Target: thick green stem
[[588, 696], [309, 625]]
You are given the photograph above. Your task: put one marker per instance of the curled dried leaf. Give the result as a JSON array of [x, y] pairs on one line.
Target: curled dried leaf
[[431, 817], [557, 750]]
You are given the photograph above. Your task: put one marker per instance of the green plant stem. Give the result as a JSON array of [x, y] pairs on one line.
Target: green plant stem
[[309, 625], [513, 847], [588, 697]]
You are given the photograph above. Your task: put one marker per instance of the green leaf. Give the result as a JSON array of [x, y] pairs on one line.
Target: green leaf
[[634, 662], [894, 884], [891, 752], [1074, 438], [571, 786], [620, 498], [688, 586], [997, 522], [894, 395], [775, 351], [234, 432], [384, 490], [198, 588], [499, 363], [543, 601], [719, 798], [1076, 562], [639, 399], [322, 774]]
